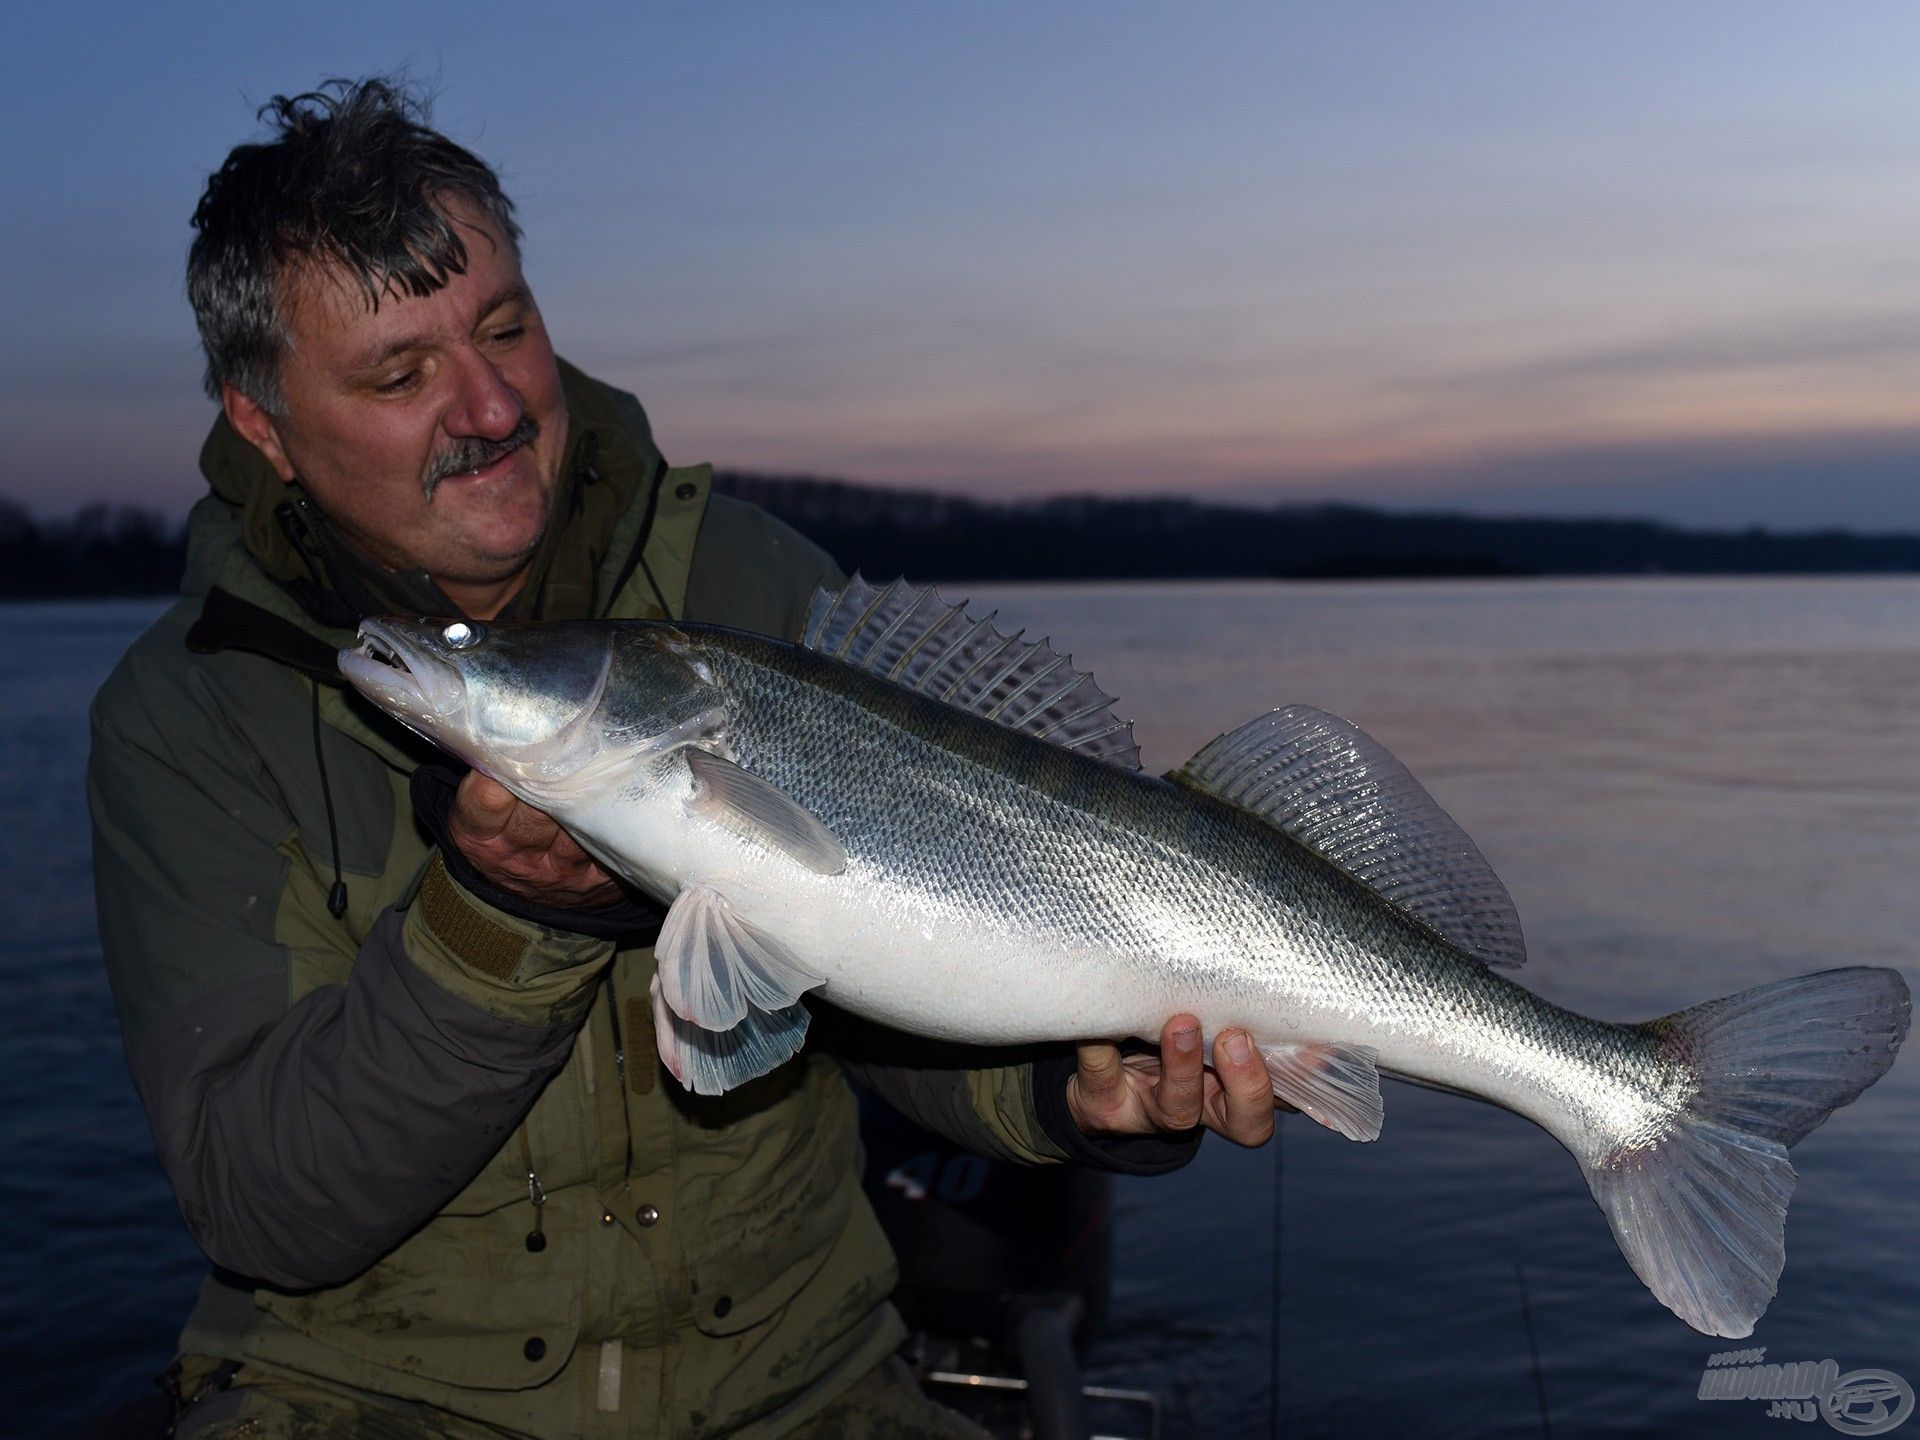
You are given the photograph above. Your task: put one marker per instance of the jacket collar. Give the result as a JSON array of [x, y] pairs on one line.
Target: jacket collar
[[279, 582]]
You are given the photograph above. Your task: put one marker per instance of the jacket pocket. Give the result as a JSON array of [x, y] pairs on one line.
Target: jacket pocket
[[786, 1191], [729, 1297], [462, 1303]]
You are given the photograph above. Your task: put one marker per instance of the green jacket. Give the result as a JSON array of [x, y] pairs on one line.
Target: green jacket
[[427, 1144]]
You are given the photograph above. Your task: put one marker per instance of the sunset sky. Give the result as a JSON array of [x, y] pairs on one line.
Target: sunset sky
[[1653, 259]]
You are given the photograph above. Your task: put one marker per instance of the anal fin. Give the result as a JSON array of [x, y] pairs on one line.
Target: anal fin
[[1337, 1085]]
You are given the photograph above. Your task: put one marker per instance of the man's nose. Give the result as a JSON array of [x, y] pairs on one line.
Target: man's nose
[[484, 403]]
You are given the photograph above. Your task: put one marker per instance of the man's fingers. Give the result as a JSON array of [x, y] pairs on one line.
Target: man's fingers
[[522, 848], [530, 829], [1246, 1091], [1099, 1075], [1178, 1088], [1182, 1088], [538, 835], [568, 852], [1097, 1094], [483, 807]]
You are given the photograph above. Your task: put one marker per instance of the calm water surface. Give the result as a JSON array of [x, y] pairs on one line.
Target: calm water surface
[[1690, 787]]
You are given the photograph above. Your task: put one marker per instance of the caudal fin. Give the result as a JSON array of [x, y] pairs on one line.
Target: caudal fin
[[1700, 1211]]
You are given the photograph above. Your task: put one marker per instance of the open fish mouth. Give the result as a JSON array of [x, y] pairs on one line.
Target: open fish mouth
[[401, 675], [376, 647]]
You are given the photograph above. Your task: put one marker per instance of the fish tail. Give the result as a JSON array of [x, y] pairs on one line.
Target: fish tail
[[1700, 1212]]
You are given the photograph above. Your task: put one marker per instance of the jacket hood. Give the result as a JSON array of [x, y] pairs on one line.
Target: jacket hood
[[611, 461]]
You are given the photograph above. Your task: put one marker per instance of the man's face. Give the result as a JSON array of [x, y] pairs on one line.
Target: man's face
[[430, 431]]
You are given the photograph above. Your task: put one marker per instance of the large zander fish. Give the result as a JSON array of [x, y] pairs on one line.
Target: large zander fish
[[945, 829]]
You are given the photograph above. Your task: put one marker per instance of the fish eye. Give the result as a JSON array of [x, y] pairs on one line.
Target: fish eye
[[461, 635]]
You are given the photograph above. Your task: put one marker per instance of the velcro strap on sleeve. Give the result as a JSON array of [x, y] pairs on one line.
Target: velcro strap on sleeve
[[477, 939]]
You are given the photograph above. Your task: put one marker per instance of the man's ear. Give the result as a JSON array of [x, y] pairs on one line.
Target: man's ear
[[256, 427]]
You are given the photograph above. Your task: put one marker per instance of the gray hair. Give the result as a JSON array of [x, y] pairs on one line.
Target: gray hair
[[352, 178]]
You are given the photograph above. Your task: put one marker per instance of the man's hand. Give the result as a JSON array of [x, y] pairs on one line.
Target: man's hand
[[1112, 1094], [523, 850]]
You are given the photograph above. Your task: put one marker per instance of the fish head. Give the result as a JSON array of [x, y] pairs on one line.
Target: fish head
[[543, 708]]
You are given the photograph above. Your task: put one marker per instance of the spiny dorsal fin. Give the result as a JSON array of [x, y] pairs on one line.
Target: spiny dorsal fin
[[909, 635], [1338, 791]]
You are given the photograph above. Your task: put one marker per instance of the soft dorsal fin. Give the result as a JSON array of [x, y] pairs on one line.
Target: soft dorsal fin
[[1338, 791], [909, 635]]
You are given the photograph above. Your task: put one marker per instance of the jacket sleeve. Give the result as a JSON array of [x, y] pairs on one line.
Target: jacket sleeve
[[312, 1101], [756, 572]]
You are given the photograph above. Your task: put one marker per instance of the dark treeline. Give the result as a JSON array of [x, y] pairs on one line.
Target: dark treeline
[[887, 532], [119, 551], [100, 550]]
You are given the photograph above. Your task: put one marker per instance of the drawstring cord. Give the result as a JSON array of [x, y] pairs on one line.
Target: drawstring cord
[[336, 897], [666, 612], [291, 527]]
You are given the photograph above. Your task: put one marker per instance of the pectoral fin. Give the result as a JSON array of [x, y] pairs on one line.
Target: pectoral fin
[[1338, 1085], [750, 806]]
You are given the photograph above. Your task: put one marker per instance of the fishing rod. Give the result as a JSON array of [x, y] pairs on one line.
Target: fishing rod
[[1533, 1350], [1273, 1349]]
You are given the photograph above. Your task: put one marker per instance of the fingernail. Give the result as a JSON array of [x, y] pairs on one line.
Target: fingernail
[[1239, 1046], [1187, 1039]]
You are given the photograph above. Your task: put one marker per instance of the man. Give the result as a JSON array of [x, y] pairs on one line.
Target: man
[[390, 1025]]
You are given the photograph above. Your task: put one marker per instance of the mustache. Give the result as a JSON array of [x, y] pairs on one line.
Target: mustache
[[476, 452]]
